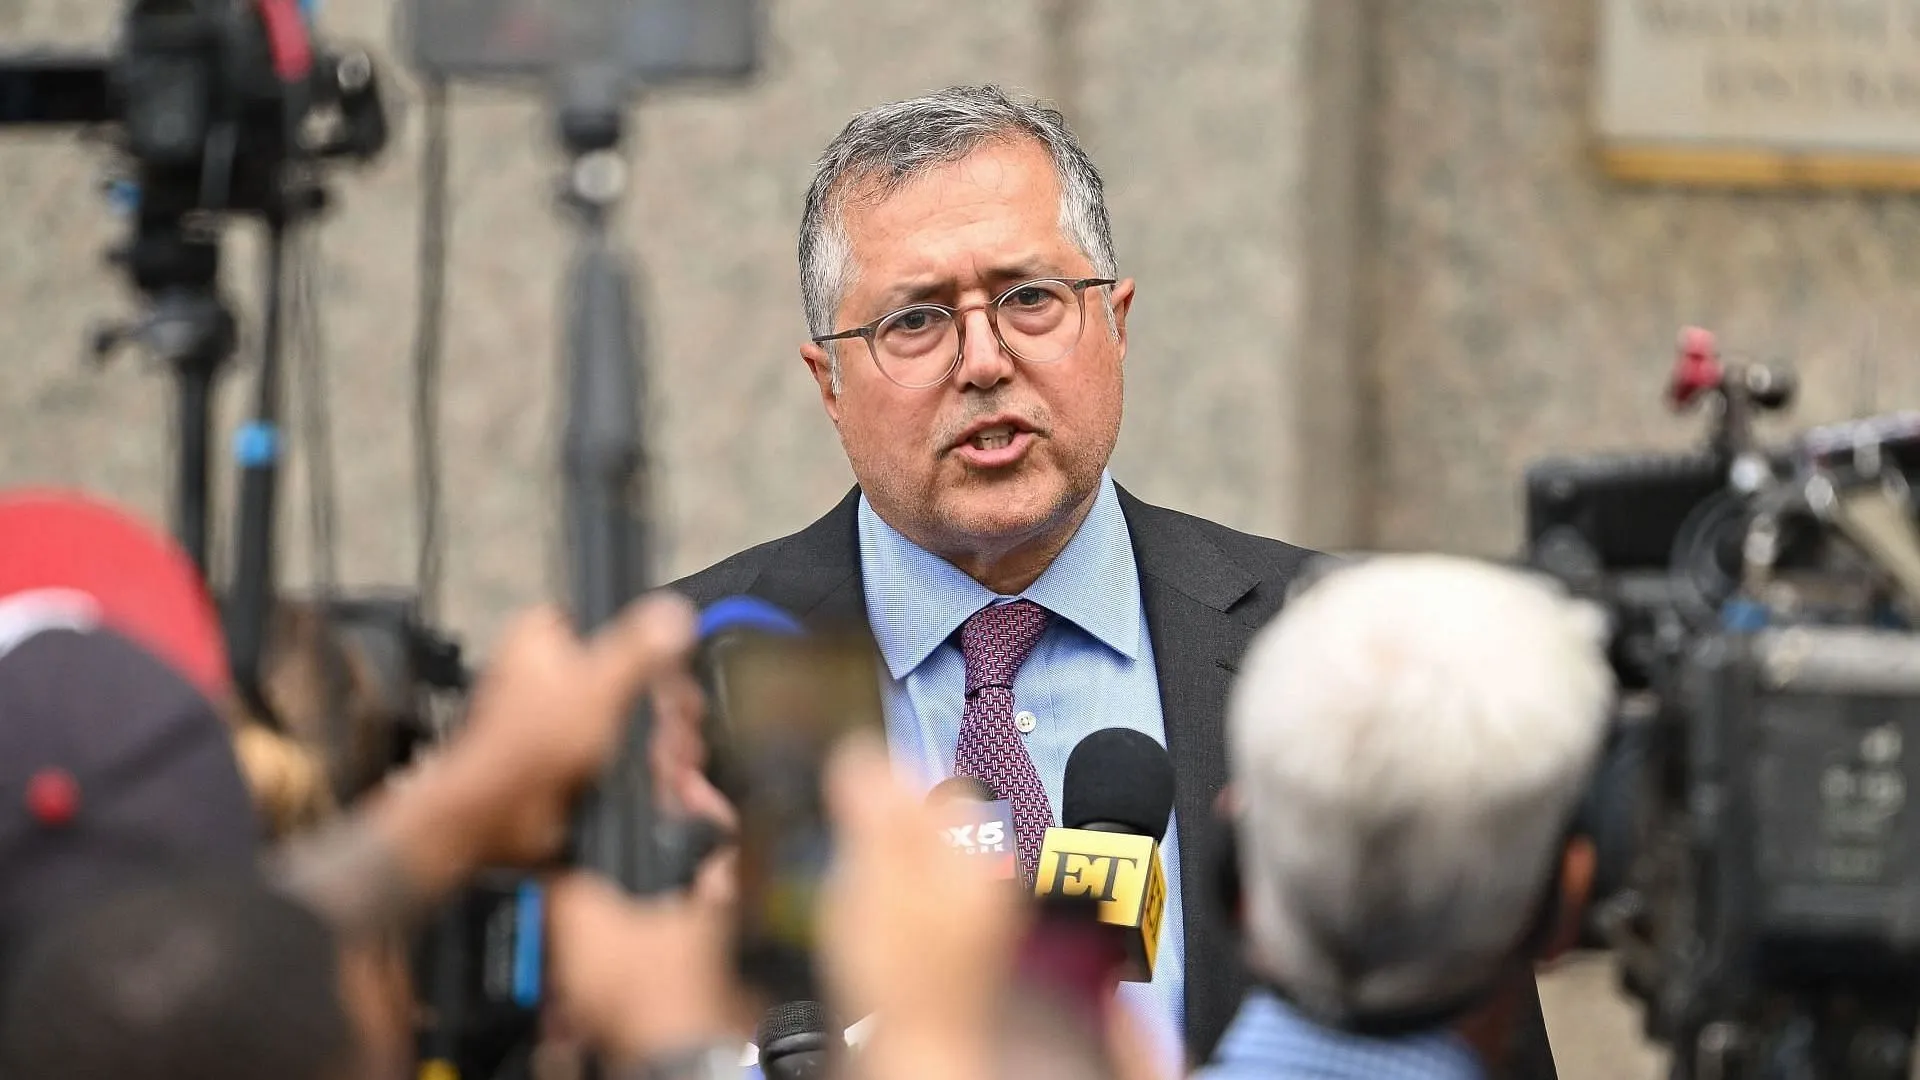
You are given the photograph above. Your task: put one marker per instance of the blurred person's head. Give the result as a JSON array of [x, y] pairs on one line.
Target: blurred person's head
[[985, 447], [209, 979], [69, 558], [1409, 742], [334, 729], [116, 765]]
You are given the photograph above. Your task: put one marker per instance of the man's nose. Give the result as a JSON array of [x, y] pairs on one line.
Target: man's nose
[[983, 363]]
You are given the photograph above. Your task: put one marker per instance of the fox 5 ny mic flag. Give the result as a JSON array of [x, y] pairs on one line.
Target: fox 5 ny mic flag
[[982, 831]]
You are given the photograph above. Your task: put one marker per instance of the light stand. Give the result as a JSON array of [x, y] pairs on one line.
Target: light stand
[[604, 458], [191, 329], [604, 463]]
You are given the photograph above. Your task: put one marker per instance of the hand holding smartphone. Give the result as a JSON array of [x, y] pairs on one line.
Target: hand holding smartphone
[[780, 706]]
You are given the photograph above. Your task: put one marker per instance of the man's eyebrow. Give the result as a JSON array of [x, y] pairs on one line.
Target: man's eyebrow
[[1022, 270], [914, 292], [936, 289]]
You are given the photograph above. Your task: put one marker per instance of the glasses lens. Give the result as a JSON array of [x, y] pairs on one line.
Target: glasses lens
[[916, 346], [1040, 320]]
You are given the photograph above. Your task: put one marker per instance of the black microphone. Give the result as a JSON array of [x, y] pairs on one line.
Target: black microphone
[[1104, 865], [960, 789], [1118, 781], [797, 1042]]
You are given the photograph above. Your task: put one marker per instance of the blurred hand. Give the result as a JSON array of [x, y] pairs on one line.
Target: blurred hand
[[547, 719], [679, 753], [640, 977], [679, 761], [909, 926], [1130, 1053]]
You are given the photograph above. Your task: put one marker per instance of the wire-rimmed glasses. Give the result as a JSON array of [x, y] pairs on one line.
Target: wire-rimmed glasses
[[920, 345]]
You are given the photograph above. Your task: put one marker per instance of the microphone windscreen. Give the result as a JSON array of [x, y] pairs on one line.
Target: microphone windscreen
[[1118, 776], [790, 1018], [796, 1038], [960, 789], [746, 613]]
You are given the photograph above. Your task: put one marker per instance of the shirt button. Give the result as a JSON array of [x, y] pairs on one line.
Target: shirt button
[[1025, 722]]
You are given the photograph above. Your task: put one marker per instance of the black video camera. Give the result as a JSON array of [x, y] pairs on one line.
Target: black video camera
[[214, 100], [1759, 874]]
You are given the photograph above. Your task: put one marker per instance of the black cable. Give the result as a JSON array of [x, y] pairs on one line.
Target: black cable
[[427, 344], [307, 353], [446, 969]]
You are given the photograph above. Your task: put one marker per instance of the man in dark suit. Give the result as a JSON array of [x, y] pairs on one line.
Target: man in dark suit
[[969, 338]]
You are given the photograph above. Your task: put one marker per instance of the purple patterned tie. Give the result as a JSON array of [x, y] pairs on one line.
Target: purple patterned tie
[[994, 643]]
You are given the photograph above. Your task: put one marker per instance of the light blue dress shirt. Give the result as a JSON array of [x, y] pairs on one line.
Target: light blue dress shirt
[[1268, 1040], [1092, 669]]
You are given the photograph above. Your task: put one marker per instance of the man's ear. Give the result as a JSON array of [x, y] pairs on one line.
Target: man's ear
[[1122, 301], [819, 362], [1576, 888]]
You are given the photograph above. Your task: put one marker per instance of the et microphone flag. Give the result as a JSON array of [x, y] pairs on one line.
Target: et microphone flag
[[1118, 872]]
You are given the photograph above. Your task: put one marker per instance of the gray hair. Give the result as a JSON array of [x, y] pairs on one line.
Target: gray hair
[[1408, 742], [885, 147]]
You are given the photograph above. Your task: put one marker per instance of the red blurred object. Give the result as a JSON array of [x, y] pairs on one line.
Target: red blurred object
[[287, 39], [1698, 369], [1073, 957], [145, 585], [53, 797]]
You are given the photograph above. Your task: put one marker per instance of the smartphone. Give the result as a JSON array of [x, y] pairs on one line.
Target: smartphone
[[653, 41], [781, 706]]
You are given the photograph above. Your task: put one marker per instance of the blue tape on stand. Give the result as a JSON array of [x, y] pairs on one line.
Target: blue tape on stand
[[311, 9], [528, 960], [255, 444]]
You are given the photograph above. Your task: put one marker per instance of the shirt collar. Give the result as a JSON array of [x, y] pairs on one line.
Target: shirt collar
[[1270, 1036], [916, 600]]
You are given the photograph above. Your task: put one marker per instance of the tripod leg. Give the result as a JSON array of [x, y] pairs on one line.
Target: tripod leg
[[193, 479]]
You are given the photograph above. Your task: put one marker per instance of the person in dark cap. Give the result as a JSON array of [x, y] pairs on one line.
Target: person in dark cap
[[119, 786], [209, 978], [116, 766]]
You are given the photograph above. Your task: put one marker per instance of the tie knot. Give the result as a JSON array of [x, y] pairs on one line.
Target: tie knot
[[996, 640]]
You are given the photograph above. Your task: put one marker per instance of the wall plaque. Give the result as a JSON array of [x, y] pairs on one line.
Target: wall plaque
[[1761, 93]]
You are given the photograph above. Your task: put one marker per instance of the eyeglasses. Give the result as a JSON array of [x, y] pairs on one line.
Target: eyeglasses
[[1037, 321]]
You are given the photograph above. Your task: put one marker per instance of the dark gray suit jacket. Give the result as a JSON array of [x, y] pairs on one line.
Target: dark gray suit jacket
[[1206, 589]]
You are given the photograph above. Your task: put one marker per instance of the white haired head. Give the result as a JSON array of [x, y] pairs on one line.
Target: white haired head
[[1409, 741]]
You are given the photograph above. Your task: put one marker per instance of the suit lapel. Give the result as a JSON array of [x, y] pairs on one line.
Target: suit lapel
[[1189, 589], [816, 573]]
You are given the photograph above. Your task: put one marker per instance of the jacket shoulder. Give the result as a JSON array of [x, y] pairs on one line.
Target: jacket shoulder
[[1274, 565], [1268, 558], [791, 571], [730, 576]]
